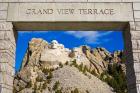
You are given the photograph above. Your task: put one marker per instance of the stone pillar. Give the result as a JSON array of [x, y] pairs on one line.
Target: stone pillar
[[135, 39], [135, 36], [133, 55], [7, 51], [132, 51], [128, 52]]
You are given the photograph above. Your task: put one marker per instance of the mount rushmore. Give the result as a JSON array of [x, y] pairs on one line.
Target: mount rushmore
[[52, 68]]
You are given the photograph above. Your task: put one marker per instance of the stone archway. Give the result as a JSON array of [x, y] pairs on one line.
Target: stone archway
[[76, 15]]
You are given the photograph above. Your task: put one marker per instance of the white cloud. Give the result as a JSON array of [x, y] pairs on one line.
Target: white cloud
[[91, 37]]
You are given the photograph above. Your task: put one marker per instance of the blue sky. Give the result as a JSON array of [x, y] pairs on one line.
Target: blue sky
[[111, 40]]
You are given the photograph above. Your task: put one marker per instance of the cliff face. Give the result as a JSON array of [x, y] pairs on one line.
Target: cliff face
[[52, 68]]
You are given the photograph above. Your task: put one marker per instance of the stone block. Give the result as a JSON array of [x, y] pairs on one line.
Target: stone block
[[136, 51], [134, 44], [2, 20], [70, 0], [6, 26], [104, 0], [3, 6], [6, 86], [138, 88], [2, 34], [137, 76], [138, 81], [137, 67], [9, 35], [10, 71], [6, 79], [116, 12], [137, 19], [9, 1], [136, 6], [138, 43], [137, 14], [3, 15], [6, 58], [136, 57], [130, 0], [135, 35], [7, 45], [132, 25], [73, 1], [32, 1], [6, 90], [137, 25]]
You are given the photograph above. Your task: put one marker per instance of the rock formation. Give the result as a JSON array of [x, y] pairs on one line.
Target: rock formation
[[52, 68]]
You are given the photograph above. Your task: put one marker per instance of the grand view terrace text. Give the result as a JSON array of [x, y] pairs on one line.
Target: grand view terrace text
[[70, 11]]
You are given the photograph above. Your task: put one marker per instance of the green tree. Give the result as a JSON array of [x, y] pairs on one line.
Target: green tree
[[85, 69], [56, 86], [50, 75], [93, 73], [118, 80], [66, 63], [81, 67], [61, 65], [75, 91]]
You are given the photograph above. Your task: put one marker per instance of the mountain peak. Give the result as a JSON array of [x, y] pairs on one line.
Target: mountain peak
[[46, 62]]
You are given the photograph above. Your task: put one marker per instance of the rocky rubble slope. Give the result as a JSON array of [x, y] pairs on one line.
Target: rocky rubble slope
[[52, 68], [70, 78]]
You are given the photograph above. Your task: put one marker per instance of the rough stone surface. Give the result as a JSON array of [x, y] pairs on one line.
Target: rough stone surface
[[137, 25], [69, 77], [6, 79], [3, 14], [134, 26], [53, 54], [136, 6], [137, 14], [119, 12], [4, 26], [105, 1], [135, 35], [42, 55], [3, 6], [9, 71]]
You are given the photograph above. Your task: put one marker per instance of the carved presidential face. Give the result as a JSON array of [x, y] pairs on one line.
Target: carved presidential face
[[54, 44]]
